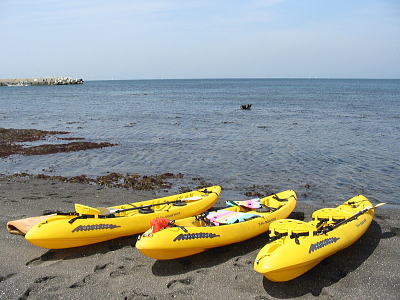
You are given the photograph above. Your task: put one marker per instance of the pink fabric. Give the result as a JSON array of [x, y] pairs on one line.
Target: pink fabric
[[251, 203], [213, 216], [228, 217]]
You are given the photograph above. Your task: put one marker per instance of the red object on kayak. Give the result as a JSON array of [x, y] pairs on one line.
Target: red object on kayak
[[159, 223]]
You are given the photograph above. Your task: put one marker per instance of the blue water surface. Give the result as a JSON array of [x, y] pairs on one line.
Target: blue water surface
[[327, 139]]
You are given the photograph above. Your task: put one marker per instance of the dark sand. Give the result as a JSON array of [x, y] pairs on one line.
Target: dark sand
[[116, 270]]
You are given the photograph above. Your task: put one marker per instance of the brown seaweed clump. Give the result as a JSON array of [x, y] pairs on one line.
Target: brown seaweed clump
[[137, 182], [70, 138], [201, 183], [10, 137], [58, 148], [130, 181], [259, 191]]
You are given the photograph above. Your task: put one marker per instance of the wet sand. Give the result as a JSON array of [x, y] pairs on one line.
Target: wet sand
[[116, 270]]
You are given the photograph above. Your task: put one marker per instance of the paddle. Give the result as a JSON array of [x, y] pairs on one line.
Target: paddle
[[117, 211], [110, 212], [353, 217]]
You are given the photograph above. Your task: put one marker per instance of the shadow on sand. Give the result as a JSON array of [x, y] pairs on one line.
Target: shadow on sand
[[207, 259], [330, 270]]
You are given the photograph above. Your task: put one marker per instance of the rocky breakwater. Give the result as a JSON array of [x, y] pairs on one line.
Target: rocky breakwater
[[40, 81]]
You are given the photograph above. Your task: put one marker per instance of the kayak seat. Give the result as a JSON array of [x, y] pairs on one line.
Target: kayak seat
[[330, 214], [104, 211], [291, 226], [87, 210]]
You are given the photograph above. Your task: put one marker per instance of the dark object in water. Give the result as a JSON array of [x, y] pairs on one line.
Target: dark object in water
[[245, 106]]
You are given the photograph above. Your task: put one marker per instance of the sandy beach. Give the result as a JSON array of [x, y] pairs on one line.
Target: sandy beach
[[107, 104], [116, 270]]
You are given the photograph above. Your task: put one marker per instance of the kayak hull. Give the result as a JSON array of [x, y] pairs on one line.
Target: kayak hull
[[195, 236], [285, 258], [63, 231], [280, 275]]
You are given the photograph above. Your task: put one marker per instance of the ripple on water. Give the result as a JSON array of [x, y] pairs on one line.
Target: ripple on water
[[339, 136]]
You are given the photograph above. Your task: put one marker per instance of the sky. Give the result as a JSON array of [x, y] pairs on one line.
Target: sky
[[155, 39]]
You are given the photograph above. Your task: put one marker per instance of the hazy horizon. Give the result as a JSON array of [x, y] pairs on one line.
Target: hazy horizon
[[245, 78], [172, 39], [210, 78]]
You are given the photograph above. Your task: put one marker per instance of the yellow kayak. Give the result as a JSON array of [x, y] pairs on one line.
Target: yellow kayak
[[196, 234], [88, 225], [295, 246]]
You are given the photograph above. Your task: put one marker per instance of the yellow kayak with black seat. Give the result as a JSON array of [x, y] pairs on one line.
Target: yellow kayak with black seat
[[241, 221], [296, 246], [89, 225]]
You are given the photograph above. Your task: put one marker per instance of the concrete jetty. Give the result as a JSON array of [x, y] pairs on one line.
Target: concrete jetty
[[40, 81]]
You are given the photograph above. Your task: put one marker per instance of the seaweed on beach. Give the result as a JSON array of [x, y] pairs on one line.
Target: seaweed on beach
[[58, 148], [9, 137], [136, 181], [259, 191], [201, 183], [129, 181], [70, 138]]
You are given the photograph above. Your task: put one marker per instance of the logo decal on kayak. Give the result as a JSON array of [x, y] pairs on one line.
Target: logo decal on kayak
[[192, 236], [266, 222], [94, 227], [323, 243], [361, 223], [173, 215]]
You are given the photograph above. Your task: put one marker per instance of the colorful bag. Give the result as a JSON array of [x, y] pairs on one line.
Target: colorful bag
[[251, 203], [228, 217]]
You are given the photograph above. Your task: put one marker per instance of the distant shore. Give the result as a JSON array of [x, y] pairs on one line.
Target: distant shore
[[40, 81]]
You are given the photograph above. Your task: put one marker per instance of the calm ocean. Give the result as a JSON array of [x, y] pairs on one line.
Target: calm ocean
[[340, 137]]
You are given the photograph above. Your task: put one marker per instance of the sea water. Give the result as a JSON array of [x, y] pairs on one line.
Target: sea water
[[327, 139]]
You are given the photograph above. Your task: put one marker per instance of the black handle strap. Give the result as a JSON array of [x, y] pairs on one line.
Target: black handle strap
[[326, 229], [172, 224], [276, 237]]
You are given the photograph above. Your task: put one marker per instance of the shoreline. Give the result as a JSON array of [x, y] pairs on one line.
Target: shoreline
[[115, 269]]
